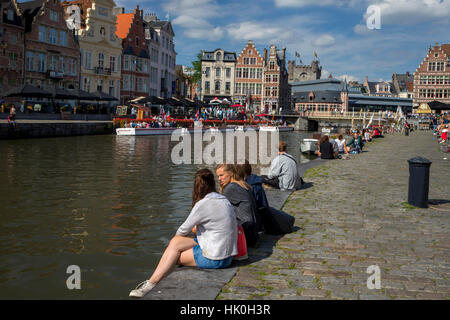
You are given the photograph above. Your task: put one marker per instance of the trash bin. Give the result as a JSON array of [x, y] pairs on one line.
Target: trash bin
[[419, 181]]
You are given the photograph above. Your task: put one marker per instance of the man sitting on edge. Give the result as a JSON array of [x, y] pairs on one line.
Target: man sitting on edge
[[283, 171]]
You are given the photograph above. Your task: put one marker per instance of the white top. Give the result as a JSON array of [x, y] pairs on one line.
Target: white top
[[341, 144], [284, 167], [216, 226]]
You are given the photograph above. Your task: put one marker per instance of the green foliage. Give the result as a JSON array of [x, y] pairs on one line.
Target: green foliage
[[197, 69]]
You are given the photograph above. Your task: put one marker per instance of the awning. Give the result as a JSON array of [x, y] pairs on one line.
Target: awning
[[29, 91]]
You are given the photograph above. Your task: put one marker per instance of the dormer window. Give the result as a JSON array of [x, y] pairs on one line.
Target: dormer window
[[102, 31], [218, 56]]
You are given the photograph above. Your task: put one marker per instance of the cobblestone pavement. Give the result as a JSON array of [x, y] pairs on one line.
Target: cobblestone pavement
[[356, 215]]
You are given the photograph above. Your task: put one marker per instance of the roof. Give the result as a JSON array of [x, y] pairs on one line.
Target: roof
[[446, 48], [317, 85], [319, 96], [124, 21], [129, 50]]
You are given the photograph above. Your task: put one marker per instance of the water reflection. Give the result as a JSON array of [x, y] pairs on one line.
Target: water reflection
[[108, 204]]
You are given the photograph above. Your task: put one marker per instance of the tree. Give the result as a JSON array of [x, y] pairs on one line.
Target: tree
[[197, 69]]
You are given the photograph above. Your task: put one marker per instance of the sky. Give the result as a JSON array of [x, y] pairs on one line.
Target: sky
[[336, 29]]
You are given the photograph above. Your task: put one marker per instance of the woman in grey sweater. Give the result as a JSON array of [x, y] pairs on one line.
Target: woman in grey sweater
[[239, 193], [213, 220]]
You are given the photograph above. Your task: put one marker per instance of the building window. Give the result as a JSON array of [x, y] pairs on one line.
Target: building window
[[111, 87], [267, 77], [217, 86], [62, 65], [102, 31], [126, 63], [275, 78], [252, 73], [228, 72], [102, 11], [267, 91], [126, 82], [52, 36], [246, 61], [207, 72], [207, 87], [12, 60], [41, 62], [53, 16], [10, 15], [259, 73], [258, 88], [137, 41], [112, 63], [252, 60], [87, 84], [217, 72], [100, 85], [272, 65], [218, 56], [227, 87], [275, 91], [29, 61], [42, 34], [118, 64], [431, 66], [101, 58], [238, 88], [238, 72], [245, 73], [88, 60], [63, 38]]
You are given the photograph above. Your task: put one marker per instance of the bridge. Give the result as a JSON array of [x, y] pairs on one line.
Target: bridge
[[311, 121]]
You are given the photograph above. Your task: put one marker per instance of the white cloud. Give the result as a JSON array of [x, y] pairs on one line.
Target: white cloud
[[321, 3], [411, 11], [324, 40], [192, 17], [347, 77], [256, 31]]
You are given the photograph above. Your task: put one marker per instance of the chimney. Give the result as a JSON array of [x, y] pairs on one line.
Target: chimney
[[265, 54]]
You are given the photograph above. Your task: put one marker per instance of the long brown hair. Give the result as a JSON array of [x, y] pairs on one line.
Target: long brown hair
[[235, 173], [204, 183]]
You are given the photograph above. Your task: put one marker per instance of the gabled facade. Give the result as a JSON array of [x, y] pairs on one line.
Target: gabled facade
[[100, 49], [12, 48], [163, 56], [249, 78], [218, 75], [135, 56], [52, 54], [276, 89], [432, 77], [379, 89]]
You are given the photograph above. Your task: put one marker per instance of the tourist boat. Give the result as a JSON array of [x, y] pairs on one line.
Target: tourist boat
[[275, 129], [309, 146], [147, 131]]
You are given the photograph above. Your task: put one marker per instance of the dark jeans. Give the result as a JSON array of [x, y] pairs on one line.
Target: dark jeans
[[274, 182]]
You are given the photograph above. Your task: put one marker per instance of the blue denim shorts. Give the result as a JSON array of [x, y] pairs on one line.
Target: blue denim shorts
[[205, 263]]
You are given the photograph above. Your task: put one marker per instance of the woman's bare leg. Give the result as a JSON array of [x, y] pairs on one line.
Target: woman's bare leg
[[171, 256]]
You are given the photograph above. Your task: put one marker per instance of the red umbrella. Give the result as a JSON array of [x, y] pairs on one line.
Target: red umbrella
[[263, 115], [237, 106]]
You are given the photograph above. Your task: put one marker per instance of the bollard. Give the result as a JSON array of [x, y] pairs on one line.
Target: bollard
[[419, 181]]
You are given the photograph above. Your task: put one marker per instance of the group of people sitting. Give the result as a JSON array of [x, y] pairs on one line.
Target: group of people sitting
[[337, 148], [222, 223]]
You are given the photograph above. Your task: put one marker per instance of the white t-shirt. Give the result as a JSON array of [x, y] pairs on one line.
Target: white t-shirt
[[341, 144]]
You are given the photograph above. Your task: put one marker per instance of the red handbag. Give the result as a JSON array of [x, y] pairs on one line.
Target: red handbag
[[242, 245]]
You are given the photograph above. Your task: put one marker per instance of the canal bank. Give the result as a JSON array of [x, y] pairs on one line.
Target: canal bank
[[354, 216], [53, 128]]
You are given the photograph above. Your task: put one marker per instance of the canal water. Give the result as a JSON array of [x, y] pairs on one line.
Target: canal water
[[107, 204]]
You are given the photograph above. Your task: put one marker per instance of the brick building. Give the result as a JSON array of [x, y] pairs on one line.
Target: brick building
[[276, 89], [249, 78], [12, 49], [52, 54], [432, 77], [135, 56], [100, 49]]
